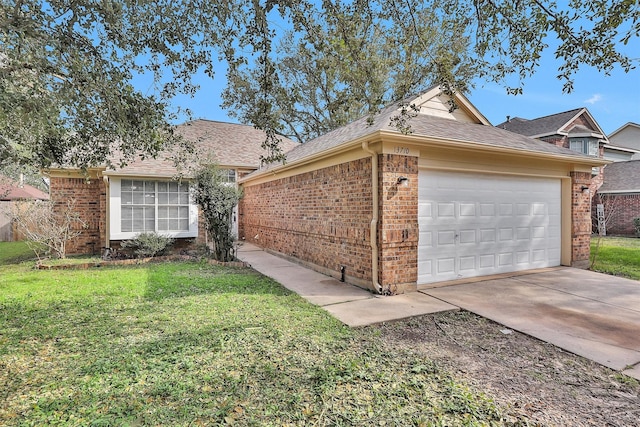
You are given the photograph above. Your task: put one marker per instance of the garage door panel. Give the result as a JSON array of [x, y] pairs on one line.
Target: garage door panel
[[486, 224]]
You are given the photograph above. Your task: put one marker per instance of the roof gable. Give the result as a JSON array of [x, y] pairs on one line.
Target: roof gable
[[627, 136], [576, 122], [437, 104]]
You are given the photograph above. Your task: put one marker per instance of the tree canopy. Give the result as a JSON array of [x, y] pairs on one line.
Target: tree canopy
[[298, 67]]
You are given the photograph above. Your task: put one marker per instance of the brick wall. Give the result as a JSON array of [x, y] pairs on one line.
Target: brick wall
[[580, 219], [624, 208], [90, 204], [321, 217], [398, 230]]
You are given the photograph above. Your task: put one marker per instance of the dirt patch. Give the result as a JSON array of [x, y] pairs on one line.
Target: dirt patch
[[539, 381]]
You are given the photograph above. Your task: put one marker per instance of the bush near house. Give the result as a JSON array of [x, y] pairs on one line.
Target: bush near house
[[636, 225], [146, 245]]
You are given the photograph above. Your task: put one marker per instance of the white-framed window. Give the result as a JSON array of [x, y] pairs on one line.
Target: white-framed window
[[138, 206], [588, 146], [228, 175]]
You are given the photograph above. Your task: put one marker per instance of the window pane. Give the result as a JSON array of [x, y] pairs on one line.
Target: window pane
[[163, 225], [138, 198], [184, 225], [163, 198], [125, 185], [149, 198], [126, 225], [184, 212], [174, 224], [163, 212], [162, 187], [184, 198], [173, 186], [150, 225]]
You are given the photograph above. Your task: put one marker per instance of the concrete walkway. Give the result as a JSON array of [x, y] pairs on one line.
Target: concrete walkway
[[352, 305], [590, 314]]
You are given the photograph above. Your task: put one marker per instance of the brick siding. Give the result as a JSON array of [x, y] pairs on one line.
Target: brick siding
[[398, 231], [580, 220], [321, 217], [90, 204], [624, 208]]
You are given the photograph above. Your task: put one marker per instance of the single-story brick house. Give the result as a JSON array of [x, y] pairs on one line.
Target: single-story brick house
[[455, 198], [390, 211], [620, 195], [118, 204]]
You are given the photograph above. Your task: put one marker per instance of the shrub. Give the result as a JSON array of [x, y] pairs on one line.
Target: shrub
[[636, 224], [146, 245], [46, 228]]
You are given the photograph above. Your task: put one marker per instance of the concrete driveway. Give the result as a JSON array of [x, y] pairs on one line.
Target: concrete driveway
[[591, 314]]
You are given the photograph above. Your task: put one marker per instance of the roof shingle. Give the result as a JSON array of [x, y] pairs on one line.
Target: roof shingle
[[546, 125], [428, 126], [228, 144], [621, 176]]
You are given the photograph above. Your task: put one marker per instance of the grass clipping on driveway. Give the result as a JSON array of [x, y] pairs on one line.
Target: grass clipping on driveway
[[194, 344]]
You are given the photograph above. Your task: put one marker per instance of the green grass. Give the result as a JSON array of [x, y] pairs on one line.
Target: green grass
[[194, 344], [619, 256], [15, 252]]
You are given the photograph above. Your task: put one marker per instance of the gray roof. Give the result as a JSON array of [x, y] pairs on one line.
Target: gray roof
[[621, 177], [228, 144], [428, 126], [547, 125]]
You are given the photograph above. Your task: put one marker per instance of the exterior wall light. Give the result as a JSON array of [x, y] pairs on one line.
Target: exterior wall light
[[584, 189], [403, 180]]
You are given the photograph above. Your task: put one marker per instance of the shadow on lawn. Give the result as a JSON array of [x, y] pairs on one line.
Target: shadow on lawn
[[179, 280]]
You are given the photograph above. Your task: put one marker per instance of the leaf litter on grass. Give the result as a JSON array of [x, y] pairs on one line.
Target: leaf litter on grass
[[229, 348]]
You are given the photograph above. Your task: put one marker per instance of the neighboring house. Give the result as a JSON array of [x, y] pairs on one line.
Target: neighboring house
[[455, 198], [575, 129], [620, 196], [10, 193], [627, 140], [143, 196]]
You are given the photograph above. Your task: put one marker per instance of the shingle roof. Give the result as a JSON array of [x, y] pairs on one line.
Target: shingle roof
[[229, 144], [546, 125], [428, 126], [621, 176], [12, 191]]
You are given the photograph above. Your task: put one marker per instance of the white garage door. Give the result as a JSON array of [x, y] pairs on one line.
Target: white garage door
[[476, 225]]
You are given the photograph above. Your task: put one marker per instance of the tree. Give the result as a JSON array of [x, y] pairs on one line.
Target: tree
[[66, 68], [47, 230], [350, 64], [217, 199]]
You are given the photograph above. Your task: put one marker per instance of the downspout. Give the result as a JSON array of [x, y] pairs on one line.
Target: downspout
[[107, 215], [373, 227]]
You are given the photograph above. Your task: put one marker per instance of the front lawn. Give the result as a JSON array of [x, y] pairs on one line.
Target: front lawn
[[195, 344], [619, 256], [14, 252]]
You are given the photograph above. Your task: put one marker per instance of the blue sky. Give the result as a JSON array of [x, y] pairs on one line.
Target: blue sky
[[612, 100]]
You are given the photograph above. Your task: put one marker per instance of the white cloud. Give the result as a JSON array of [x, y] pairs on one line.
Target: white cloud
[[595, 98]]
